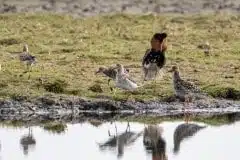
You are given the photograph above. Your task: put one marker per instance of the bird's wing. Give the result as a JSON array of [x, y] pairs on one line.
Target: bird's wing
[[190, 86], [145, 55], [131, 79]]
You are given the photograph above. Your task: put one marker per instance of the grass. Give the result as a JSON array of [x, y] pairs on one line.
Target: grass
[[70, 50]]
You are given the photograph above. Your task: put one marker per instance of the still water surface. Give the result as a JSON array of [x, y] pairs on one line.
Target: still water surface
[[81, 141]]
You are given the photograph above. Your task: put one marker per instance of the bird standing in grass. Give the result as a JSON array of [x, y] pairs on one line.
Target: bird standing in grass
[[123, 80], [185, 90], [154, 58], [110, 72], [27, 58]]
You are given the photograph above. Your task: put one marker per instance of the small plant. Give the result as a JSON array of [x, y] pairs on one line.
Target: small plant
[[96, 88], [9, 41]]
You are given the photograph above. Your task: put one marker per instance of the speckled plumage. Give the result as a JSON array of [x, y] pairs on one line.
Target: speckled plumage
[[26, 57], [110, 72], [183, 88]]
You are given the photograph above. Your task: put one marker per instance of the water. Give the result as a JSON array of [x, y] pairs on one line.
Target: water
[[80, 141]]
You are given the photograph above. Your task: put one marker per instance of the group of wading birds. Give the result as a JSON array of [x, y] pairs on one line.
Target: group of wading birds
[[152, 64]]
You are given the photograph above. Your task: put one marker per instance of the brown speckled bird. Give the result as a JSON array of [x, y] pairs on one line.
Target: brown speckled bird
[[26, 57], [184, 88]]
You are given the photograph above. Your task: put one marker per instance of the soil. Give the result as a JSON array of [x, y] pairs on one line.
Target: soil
[[66, 108]]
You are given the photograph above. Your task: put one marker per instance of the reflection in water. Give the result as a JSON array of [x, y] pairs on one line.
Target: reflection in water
[[152, 140], [121, 140], [27, 141], [55, 128], [183, 131], [95, 123], [127, 142]]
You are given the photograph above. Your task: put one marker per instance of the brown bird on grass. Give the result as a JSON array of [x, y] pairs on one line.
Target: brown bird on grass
[[26, 57], [154, 58], [184, 88]]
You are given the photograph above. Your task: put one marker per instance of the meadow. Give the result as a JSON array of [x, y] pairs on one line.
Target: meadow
[[70, 50]]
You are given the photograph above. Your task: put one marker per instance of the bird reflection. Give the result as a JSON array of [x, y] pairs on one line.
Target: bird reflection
[[27, 141], [153, 141], [184, 131], [120, 141]]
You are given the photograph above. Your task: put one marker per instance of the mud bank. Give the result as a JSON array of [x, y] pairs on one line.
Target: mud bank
[[94, 7], [66, 109]]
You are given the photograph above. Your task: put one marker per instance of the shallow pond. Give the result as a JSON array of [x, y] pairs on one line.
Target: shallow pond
[[82, 141]]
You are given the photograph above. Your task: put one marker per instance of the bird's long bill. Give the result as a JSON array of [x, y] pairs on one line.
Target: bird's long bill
[[171, 70]]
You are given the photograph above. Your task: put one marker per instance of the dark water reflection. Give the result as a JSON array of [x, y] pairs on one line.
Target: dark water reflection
[[109, 141]]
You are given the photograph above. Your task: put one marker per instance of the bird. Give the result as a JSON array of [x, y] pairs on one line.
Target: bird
[[123, 80], [184, 89], [154, 58], [110, 72], [26, 57]]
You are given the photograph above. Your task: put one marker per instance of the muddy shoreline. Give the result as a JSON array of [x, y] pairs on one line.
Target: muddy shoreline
[[68, 108]]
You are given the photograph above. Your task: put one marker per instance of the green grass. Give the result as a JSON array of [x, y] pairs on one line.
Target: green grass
[[70, 50]]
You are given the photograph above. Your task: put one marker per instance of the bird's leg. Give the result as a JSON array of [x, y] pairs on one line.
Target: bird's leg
[[115, 128], [155, 86], [113, 91], [186, 114], [109, 81], [109, 85], [29, 75], [128, 127]]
